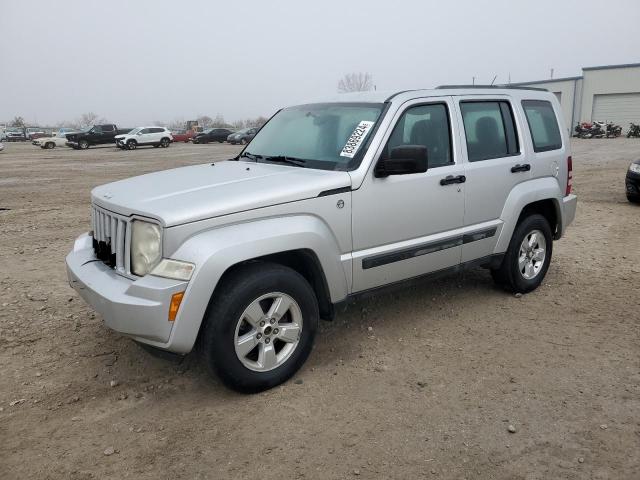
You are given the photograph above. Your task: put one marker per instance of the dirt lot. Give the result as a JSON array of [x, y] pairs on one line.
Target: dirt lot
[[418, 384]]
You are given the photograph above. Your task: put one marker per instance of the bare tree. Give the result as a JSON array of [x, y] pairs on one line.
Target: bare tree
[[90, 118], [205, 121], [17, 122], [218, 121], [355, 82], [176, 124]]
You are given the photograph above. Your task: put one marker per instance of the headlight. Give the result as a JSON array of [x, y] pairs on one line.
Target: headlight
[[634, 167], [145, 246]]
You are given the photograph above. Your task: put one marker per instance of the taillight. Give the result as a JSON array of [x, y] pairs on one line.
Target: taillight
[[569, 176]]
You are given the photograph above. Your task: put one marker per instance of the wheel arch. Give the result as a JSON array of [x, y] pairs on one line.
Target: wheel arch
[[301, 242], [542, 196]]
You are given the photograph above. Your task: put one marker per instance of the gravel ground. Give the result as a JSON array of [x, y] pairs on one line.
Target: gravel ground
[[448, 379]]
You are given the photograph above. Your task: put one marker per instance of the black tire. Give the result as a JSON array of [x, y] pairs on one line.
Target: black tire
[[132, 145], [83, 145], [508, 275], [50, 145], [241, 287], [164, 143], [633, 198]]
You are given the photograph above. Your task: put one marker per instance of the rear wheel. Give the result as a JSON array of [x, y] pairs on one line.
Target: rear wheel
[[260, 327], [164, 143], [527, 259], [132, 145]]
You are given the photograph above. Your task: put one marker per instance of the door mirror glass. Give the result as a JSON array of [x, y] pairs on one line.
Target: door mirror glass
[[403, 160]]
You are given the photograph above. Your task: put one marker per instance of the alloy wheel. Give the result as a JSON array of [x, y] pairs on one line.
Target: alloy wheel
[[532, 254], [268, 332]]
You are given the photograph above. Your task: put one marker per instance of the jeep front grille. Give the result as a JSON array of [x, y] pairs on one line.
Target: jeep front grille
[[111, 238]]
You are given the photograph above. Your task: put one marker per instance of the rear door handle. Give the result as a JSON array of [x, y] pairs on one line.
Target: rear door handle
[[450, 179], [525, 167]]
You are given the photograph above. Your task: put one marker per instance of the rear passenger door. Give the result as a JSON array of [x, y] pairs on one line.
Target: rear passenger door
[[495, 163], [108, 133]]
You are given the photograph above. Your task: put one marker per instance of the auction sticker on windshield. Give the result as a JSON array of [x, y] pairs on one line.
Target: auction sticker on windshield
[[356, 138]]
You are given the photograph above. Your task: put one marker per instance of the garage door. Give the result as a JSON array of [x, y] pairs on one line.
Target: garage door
[[620, 108]]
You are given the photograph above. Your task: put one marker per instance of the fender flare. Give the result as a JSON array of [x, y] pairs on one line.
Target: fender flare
[[215, 251], [521, 195]]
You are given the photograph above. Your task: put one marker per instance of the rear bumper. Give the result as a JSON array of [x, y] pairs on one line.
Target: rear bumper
[[569, 204], [136, 308]]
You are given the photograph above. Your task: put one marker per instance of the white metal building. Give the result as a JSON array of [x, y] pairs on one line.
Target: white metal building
[[609, 93]]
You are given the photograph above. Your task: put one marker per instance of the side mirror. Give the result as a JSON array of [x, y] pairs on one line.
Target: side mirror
[[403, 160], [139, 133]]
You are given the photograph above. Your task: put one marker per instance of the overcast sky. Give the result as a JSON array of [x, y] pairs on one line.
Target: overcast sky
[[133, 62]]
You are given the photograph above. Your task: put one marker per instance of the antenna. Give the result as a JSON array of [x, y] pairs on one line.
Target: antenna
[[552, 73], [473, 80], [494, 79]]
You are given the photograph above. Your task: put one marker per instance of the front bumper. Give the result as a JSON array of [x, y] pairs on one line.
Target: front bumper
[[569, 204], [632, 185], [71, 144], [137, 308]]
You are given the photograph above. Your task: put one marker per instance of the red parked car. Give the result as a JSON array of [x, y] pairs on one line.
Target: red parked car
[[182, 135]]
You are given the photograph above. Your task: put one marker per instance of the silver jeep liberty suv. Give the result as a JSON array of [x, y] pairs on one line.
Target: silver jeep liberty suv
[[328, 201]]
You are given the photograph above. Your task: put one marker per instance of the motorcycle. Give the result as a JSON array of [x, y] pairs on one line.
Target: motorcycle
[[595, 130], [582, 129], [634, 130], [613, 130]]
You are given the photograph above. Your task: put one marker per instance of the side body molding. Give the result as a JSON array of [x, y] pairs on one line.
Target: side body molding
[[214, 251], [522, 195]]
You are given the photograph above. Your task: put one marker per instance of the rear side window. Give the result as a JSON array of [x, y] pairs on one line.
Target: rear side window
[[542, 125], [490, 130]]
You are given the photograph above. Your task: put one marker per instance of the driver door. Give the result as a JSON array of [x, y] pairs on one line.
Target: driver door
[[408, 225]]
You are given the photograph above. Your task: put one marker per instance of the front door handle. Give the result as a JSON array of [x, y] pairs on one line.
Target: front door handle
[[525, 167], [450, 179]]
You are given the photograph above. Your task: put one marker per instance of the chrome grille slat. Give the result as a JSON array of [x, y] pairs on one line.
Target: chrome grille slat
[[111, 235]]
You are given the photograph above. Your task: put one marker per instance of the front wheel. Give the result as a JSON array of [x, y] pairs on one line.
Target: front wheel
[[83, 145], [260, 327], [526, 262], [50, 145], [132, 145]]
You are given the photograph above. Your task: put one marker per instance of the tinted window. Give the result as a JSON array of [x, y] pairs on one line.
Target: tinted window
[[144, 131], [489, 129], [542, 125], [97, 129], [426, 125], [107, 128], [156, 130]]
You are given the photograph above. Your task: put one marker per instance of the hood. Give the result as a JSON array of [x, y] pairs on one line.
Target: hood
[[122, 135], [189, 194]]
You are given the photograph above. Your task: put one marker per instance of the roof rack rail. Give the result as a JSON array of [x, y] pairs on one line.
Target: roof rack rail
[[511, 87]]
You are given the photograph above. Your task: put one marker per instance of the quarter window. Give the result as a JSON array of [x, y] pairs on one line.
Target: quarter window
[[489, 129], [426, 125], [542, 125]]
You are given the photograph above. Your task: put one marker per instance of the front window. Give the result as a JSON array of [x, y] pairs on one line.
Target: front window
[[328, 136]]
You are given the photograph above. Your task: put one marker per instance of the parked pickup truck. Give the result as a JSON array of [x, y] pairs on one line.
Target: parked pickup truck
[[328, 202], [94, 135]]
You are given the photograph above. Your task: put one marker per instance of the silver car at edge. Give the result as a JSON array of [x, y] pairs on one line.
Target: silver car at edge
[[331, 200]]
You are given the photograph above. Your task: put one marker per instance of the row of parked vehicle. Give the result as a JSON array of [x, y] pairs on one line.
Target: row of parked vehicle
[[130, 139], [604, 130]]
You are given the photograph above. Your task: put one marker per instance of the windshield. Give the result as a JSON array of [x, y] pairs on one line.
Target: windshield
[[329, 136]]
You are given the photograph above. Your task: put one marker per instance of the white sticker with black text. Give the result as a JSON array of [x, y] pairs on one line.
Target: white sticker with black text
[[356, 139]]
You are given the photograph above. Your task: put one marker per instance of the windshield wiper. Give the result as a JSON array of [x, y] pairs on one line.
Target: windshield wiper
[[251, 156], [298, 162]]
